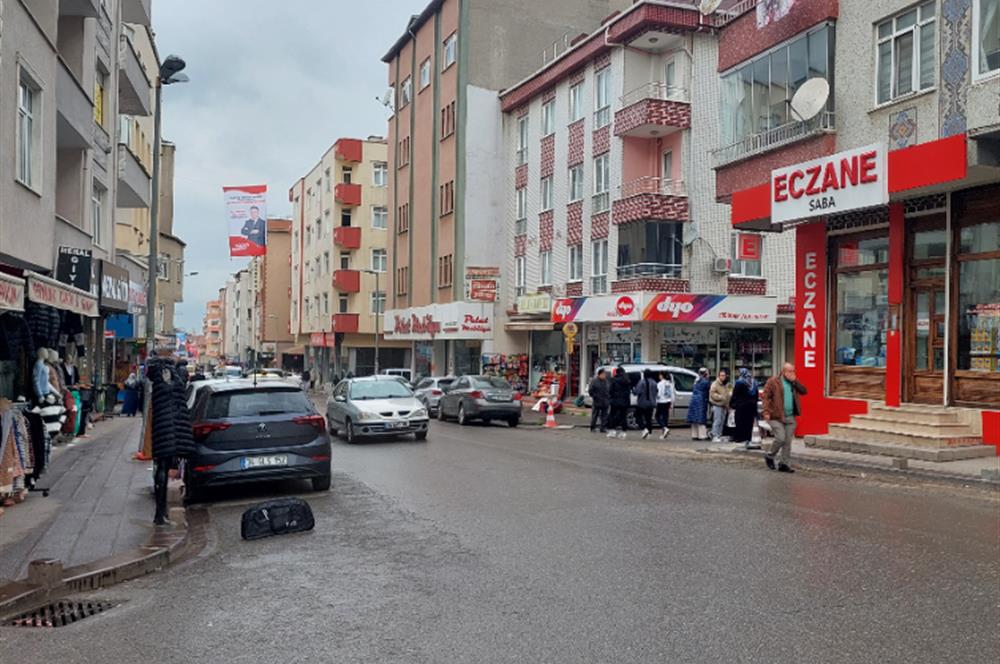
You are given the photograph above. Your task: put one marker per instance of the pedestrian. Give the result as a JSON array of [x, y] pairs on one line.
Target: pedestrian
[[307, 379], [781, 407], [599, 396], [620, 399], [744, 405], [645, 391], [130, 404], [697, 415], [719, 395], [664, 402]]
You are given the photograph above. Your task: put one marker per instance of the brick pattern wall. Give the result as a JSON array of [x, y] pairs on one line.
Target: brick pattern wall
[[574, 224], [599, 226], [651, 284], [654, 17], [649, 206], [575, 153], [574, 289], [757, 170], [546, 230], [601, 141], [520, 245], [660, 112], [521, 176], [545, 289], [744, 286], [742, 39], [548, 155], [577, 77], [601, 61], [521, 112], [787, 309], [548, 95]]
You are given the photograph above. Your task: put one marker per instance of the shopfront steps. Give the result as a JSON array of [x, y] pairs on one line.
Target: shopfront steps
[[916, 414], [958, 453], [902, 424]]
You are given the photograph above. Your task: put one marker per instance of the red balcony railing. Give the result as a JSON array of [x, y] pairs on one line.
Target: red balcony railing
[[650, 198], [348, 149], [348, 194], [653, 109], [345, 323], [347, 281], [347, 237]]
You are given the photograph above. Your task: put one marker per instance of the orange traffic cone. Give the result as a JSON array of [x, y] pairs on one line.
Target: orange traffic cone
[[550, 418]]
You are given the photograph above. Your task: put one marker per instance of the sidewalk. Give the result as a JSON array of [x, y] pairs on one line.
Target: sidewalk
[[100, 503]]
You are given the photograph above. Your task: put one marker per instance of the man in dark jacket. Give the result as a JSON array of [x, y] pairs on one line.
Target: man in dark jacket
[[620, 393], [645, 391], [599, 395], [781, 407]]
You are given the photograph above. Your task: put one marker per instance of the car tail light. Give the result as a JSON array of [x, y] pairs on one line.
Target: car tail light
[[517, 396], [201, 431], [315, 421], [321, 457], [436, 393], [202, 469], [475, 394]]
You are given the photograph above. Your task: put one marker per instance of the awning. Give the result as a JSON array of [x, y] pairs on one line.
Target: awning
[[294, 350], [529, 326], [44, 290], [11, 293]]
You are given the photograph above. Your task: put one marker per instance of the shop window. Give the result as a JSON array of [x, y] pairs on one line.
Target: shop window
[[862, 311], [979, 298]]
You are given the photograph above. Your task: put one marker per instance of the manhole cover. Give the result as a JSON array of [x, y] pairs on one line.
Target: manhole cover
[[60, 614]]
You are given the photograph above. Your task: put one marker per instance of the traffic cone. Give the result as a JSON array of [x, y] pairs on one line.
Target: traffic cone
[[550, 417]]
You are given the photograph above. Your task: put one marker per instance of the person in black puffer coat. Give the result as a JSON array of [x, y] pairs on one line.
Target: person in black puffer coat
[[184, 437]]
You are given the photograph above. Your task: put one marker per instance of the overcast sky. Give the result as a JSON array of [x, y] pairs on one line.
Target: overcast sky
[[273, 85]]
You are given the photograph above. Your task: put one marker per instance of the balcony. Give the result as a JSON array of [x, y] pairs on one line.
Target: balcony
[[133, 86], [650, 277], [347, 237], [765, 141], [133, 181], [82, 8], [347, 194], [652, 110], [137, 11], [74, 111], [348, 149], [650, 198], [345, 323], [347, 281]]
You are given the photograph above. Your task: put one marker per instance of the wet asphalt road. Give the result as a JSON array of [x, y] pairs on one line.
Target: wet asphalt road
[[499, 545]]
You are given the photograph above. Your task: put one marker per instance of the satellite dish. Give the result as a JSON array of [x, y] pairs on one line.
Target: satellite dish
[[810, 99], [707, 7], [387, 98]]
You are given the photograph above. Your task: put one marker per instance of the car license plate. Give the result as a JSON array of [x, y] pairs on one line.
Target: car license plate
[[263, 461], [396, 425]]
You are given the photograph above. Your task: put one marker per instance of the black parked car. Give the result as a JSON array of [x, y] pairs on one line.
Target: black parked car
[[246, 433]]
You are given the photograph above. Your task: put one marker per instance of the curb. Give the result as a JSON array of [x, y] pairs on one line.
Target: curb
[[47, 580]]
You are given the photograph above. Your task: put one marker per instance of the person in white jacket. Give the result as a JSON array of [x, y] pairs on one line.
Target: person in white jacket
[[664, 401]]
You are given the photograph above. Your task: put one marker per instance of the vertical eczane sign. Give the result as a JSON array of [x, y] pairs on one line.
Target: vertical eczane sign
[[849, 180]]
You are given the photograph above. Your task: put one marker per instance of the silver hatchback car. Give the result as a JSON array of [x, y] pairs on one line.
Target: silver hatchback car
[[430, 390], [375, 406]]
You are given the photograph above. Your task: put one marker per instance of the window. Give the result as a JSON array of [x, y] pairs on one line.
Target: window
[[326, 180], [862, 300], [380, 217], [380, 174], [326, 262], [28, 131], [979, 296], [450, 51], [446, 271], [744, 268], [379, 260], [522, 140], [100, 85], [406, 92], [905, 53], [549, 117], [521, 214], [447, 198], [343, 303], [448, 120], [602, 98], [545, 262], [576, 263], [425, 73], [378, 303], [985, 37], [345, 218], [650, 248], [326, 304], [576, 183], [667, 166], [403, 218], [601, 184], [520, 269], [670, 77], [402, 279], [576, 102], [163, 267], [97, 198], [599, 267], [754, 98], [546, 193], [346, 174], [345, 260], [404, 151]]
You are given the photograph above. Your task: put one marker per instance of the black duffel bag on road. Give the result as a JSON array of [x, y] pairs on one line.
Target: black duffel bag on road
[[278, 517]]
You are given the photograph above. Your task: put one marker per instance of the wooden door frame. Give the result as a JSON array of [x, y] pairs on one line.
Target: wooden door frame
[[910, 286]]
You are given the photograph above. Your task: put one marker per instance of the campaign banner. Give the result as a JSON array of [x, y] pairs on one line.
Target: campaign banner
[[690, 308], [246, 209]]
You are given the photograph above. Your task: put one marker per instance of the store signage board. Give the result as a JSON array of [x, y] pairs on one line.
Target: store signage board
[[534, 303], [73, 267], [455, 320], [483, 290], [690, 308], [695, 335], [598, 309], [55, 294], [114, 287], [136, 297], [848, 180], [621, 326], [11, 293], [748, 247], [317, 340]]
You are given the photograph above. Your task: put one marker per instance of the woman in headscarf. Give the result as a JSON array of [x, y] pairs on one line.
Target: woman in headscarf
[[744, 403], [130, 404], [697, 415]]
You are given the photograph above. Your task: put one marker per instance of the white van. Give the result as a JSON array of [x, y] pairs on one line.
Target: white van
[[683, 386]]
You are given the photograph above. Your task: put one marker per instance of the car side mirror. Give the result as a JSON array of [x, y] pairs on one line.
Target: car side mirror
[[341, 398]]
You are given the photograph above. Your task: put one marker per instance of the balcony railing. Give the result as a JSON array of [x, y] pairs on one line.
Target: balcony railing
[[653, 185], [672, 270], [764, 141], [655, 90]]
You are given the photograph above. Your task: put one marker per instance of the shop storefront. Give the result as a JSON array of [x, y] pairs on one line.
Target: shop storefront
[[445, 338]]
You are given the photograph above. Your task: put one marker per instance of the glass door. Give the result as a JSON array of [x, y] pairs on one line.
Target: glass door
[[924, 331]]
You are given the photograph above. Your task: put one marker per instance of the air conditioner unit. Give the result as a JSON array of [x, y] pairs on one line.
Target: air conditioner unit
[[721, 265]]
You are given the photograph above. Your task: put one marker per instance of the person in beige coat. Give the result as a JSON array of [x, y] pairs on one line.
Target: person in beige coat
[[719, 395]]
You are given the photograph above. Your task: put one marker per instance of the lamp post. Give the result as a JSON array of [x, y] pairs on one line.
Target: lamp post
[[377, 314]]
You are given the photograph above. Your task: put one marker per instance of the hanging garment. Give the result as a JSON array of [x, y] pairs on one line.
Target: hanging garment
[[69, 426], [11, 472], [39, 442]]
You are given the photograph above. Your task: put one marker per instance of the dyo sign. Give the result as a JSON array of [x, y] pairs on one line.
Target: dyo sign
[[848, 180]]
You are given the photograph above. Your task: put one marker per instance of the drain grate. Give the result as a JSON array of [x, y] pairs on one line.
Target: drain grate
[[59, 614]]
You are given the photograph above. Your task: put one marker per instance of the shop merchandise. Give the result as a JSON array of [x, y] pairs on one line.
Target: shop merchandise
[[23, 452], [512, 368]]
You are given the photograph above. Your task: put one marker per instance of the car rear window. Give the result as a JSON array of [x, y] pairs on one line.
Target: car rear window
[[256, 403], [446, 383], [490, 381]]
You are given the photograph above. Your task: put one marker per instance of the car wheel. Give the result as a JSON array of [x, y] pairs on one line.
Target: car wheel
[[349, 432], [461, 415], [321, 483], [420, 435], [440, 413], [513, 422], [329, 425], [630, 421], [487, 421]]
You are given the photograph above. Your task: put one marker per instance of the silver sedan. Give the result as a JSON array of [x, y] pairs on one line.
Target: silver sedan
[[375, 406]]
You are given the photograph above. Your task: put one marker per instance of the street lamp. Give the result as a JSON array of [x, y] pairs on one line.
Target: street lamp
[[376, 312]]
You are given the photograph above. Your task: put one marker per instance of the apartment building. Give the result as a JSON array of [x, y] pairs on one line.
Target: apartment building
[[339, 263], [612, 224], [445, 71], [273, 306], [212, 328], [897, 262]]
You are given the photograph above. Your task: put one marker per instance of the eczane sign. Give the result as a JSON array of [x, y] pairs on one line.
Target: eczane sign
[[849, 180]]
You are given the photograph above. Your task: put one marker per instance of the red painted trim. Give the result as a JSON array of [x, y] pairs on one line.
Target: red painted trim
[[991, 428], [751, 204], [934, 162], [893, 368], [897, 251]]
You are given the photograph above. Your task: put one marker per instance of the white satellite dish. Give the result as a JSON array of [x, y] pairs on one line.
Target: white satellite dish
[[387, 98], [707, 7], [810, 99]]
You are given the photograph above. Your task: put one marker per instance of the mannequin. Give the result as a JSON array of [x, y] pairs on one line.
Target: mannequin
[[40, 377]]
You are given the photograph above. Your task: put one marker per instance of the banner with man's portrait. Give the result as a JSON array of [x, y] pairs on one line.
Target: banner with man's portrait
[[246, 208]]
